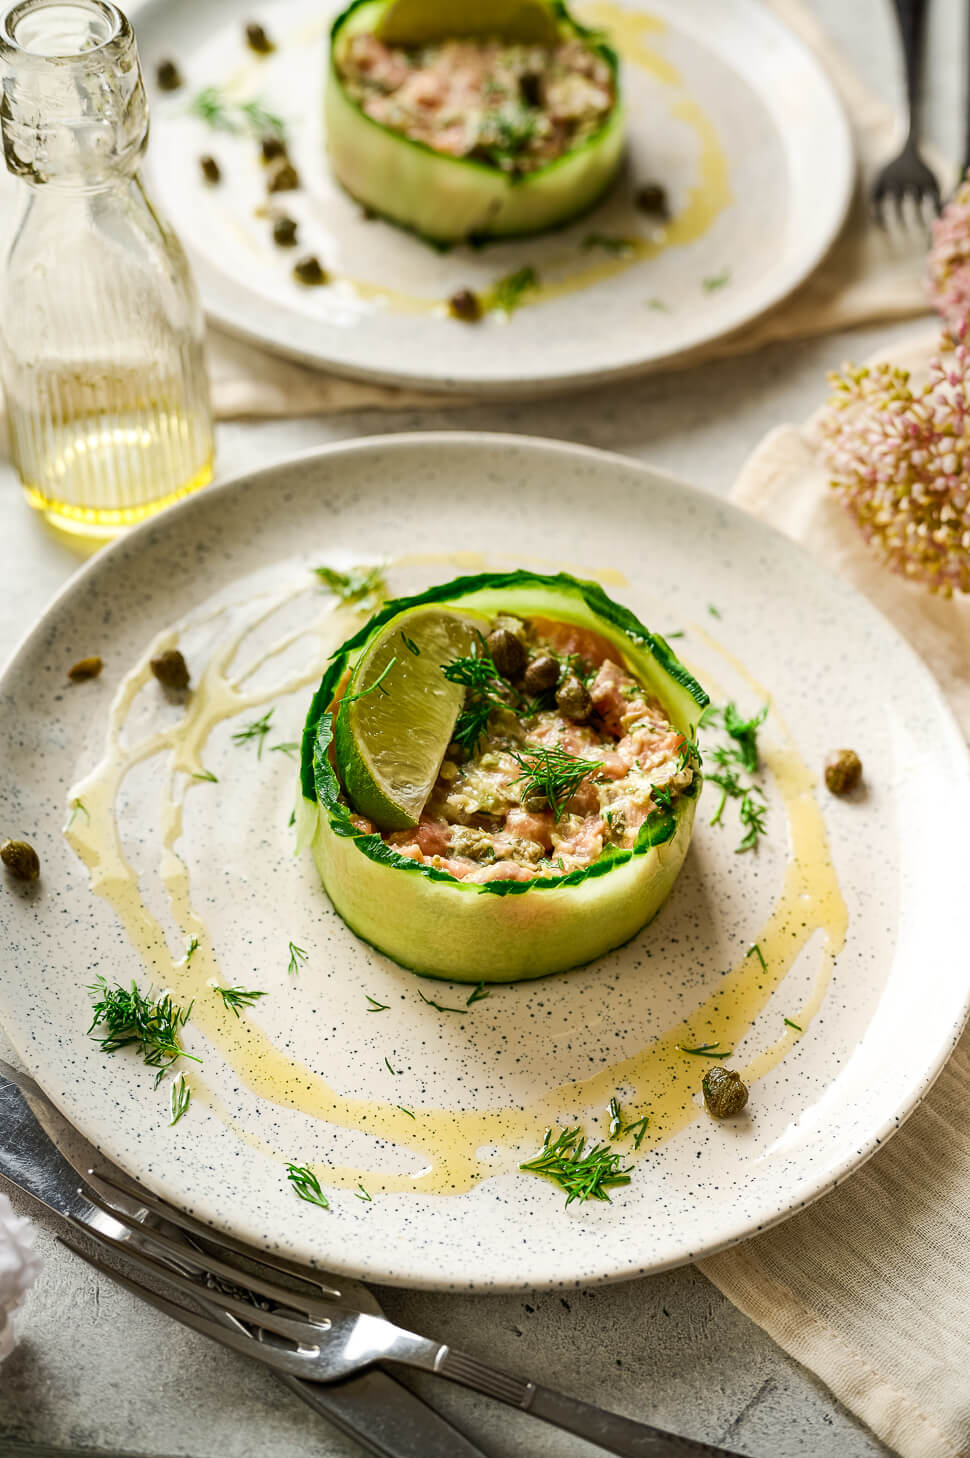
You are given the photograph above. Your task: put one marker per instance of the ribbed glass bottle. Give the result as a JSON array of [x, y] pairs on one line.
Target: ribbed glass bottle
[[101, 353]]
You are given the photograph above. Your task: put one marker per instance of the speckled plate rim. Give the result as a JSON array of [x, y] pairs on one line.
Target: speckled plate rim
[[759, 1219], [832, 186]]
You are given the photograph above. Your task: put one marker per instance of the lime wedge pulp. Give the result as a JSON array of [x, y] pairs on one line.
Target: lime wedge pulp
[[398, 713], [422, 22]]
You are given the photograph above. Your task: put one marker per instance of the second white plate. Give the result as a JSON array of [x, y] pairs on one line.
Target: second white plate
[[727, 110]]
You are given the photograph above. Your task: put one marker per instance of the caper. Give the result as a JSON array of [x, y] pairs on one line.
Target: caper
[[20, 859], [211, 170], [651, 198], [271, 146], [530, 89], [572, 697], [168, 77], [465, 305], [843, 771], [85, 668], [284, 233], [308, 271], [171, 669], [257, 40], [535, 801], [725, 1092], [284, 179], [507, 652], [541, 675]]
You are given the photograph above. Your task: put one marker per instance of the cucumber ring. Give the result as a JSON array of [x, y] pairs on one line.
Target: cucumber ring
[[447, 199], [499, 931]]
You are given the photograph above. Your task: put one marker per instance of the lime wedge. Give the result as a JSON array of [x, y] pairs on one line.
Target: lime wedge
[[421, 22], [397, 716]]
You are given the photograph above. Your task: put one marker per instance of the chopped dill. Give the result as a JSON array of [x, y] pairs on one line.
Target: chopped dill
[[705, 1050], [755, 951], [440, 1006], [361, 1194], [410, 645], [306, 1185], [477, 994], [403, 1110], [237, 997], [376, 1006], [744, 732], [584, 1174], [509, 292], [716, 281], [258, 730], [739, 755], [677, 633], [212, 106], [714, 612], [554, 774], [618, 247], [389, 1068], [205, 775], [616, 1118], [789, 1024], [191, 949], [377, 684], [78, 807], [485, 690], [752, 817], [292, 820], [661, 797], [297, 955], [181, 1098], [363, 585], [658, 306], [291, 747], [638, 1128], [131, 1019]]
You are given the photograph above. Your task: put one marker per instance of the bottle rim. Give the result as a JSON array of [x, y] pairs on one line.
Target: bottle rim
[[110, 31]]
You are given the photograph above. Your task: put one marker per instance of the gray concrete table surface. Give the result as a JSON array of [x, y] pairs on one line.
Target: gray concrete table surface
[[95, 1372]]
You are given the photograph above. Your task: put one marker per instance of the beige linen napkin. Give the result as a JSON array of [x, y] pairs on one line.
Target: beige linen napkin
[[870, 1287]]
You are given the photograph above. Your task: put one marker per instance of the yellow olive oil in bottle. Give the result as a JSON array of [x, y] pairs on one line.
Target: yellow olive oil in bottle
[[101, 353]]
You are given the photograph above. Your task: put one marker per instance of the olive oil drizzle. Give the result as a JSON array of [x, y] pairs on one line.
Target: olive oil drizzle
[[657, 1080]]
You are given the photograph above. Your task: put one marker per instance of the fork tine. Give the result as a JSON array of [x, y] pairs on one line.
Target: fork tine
[[284, 1326], [288, 1362], [294, 1300], [205, 1232]]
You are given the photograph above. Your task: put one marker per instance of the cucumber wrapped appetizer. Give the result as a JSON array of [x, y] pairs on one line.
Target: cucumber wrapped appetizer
[[459, 119], [499, 776]]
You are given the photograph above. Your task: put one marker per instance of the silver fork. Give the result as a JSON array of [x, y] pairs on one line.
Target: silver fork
[[908, 175], [321, 1340]]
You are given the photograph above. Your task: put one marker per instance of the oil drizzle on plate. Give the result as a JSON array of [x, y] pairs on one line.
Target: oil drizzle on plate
[[452, 1148]]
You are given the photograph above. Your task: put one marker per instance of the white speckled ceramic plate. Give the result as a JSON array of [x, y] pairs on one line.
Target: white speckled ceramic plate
[[727, 110], [758, 617]]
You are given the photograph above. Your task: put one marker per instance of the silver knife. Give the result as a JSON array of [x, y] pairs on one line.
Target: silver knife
[[43, 1155]]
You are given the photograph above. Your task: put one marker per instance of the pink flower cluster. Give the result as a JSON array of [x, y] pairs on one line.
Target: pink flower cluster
[[948, 265], [898, 458]]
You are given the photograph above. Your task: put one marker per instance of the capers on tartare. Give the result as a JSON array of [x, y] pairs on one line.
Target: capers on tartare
[[725, 1092], [20, 859], [573, 699], [843, 771], [541, 675], [507, 652]]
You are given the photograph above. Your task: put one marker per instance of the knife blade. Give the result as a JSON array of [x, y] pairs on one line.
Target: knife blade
[[45, 1157]]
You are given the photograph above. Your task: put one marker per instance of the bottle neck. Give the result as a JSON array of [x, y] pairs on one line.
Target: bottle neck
[[73, 111]]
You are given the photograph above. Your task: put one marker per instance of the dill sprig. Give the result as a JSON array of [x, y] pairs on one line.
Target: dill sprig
[[440, 1006], [510, 292], [362, 585], [306, 1185], [205, 775], [297, 955], [258, 730], [554, 774], [744, 732], [638, 1128], [181, 1098], [191, 949], [585, 1174], [376, 1006], [616, 1118], [618, 1127], [739, 755], [789, 1024], [291, 747], [237, 997], [362, 1194], [218, 111], [705, 1050], [78, 807], [485, 690], [132, 1019], [477, 994]]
